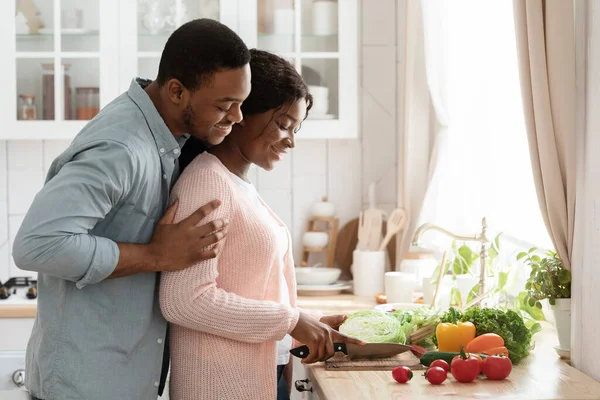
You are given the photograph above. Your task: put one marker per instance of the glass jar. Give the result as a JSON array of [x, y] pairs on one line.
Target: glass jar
[[27, 110], [48, 107], [88, 102]]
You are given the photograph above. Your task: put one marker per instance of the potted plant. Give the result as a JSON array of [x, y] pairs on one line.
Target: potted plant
[[549, 279]]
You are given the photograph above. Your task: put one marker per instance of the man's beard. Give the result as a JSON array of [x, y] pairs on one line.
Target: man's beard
[[189, 115]]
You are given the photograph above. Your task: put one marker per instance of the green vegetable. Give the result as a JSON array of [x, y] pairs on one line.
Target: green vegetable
[[373, 327], [412, 320], [448, 356], [508, 324]]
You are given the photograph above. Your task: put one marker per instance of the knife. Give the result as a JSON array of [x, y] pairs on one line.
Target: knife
[[354, 351]]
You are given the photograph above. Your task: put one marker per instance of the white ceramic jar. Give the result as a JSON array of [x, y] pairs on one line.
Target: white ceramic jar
[[422, 264], [315, 239], [323, 209]]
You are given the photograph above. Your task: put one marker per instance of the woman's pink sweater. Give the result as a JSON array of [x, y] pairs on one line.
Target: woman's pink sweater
[[225, 315]]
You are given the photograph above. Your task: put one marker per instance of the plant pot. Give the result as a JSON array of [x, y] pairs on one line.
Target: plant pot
[[562, 317]]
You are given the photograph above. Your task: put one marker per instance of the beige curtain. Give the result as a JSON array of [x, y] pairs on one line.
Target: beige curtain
[[546, 48], [418, 123]]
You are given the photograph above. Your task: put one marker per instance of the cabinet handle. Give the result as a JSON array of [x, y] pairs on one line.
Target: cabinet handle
[[303, 385]]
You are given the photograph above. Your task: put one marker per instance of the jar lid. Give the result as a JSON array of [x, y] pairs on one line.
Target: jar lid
[[27, 96], [87, 89], [417, 255]]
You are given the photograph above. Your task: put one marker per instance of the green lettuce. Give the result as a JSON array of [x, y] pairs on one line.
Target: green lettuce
[[373, 327]]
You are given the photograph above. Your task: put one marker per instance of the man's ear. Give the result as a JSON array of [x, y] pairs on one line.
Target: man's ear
[[176, 91]]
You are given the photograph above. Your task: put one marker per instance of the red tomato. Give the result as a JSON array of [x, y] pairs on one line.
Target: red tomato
[[436, 375], [465, 369], [402, 374], [442, 364], [497, 367]]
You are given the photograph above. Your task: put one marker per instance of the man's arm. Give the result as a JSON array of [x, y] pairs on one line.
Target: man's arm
[[55, 235]]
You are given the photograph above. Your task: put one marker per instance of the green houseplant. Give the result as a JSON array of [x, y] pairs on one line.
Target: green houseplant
[[549, 279]]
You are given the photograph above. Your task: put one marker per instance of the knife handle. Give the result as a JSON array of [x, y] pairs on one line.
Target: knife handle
[[302, 351]]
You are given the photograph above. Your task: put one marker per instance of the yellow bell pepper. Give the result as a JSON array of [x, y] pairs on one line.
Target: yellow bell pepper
[[453, 336]]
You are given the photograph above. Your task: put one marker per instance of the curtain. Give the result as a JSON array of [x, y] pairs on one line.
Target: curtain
[[418, 126], [546, 50]]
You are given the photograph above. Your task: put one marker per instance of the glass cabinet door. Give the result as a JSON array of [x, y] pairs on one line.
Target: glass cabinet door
[[57, 63], [320, 38], [155, 20]]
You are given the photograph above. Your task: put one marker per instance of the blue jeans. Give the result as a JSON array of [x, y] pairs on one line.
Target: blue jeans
[[282, 387]]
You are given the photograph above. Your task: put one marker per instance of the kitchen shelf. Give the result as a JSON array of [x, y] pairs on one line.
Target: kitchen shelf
[[52, 54], [50, 35]]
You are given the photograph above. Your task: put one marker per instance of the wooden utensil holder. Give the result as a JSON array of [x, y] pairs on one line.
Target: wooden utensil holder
[[332, 229]]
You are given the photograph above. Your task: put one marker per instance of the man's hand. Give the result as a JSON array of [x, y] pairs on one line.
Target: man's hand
[[334, 321], [178, 246], [319, 338]]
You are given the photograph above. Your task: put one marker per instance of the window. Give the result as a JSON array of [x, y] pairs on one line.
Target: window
[[484, 168]]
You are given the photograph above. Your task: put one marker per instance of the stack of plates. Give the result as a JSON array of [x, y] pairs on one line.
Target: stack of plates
[[323, 290]]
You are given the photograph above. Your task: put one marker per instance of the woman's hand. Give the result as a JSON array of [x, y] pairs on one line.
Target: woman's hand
[[334, 321]]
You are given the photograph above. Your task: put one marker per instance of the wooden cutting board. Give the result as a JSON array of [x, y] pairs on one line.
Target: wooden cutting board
[[341, 362]]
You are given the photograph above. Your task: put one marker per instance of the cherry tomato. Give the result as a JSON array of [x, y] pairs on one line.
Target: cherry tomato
[[442, 364], [402, 374], [496, 367], [465, 369], [436, 375]]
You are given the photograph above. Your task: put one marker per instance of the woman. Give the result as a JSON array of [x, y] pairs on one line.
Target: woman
[[232, 316]]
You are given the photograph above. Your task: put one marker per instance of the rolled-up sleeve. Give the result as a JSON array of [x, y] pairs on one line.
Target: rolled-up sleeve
[[54, 237]]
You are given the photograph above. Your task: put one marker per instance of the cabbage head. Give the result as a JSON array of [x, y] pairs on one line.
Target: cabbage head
[[373, 326]]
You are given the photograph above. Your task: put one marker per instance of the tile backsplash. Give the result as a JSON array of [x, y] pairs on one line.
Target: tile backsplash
[[338, 169]]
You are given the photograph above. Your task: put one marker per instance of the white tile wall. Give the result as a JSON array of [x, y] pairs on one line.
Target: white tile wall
[[339, 169]]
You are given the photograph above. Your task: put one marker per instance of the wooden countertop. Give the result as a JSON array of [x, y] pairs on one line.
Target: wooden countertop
[[18, 310], [542, 375]]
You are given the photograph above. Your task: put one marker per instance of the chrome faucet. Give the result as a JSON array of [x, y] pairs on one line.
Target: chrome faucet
[[479, 237]]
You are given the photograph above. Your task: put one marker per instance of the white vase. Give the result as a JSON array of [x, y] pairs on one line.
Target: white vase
[[562, 317]]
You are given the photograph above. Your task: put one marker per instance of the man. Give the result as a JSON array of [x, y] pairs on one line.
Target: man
[[95, 234]]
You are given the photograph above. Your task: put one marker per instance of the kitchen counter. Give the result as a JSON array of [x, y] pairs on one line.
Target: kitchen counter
[[18, 310], [542, 375]]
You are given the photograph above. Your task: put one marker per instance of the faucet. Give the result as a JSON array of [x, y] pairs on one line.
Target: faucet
[[479, 237]]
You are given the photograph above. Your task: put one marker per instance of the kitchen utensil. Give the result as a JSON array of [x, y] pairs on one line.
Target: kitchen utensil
[[355, 351], [317, 275], [399, 286], [341, 362], [363, 233], [368, 268], [373, 221], [315, 239], [347, 242], [324, 208], [395, 224]]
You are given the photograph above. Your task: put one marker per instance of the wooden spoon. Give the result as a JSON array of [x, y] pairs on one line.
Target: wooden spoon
[[394, 225]]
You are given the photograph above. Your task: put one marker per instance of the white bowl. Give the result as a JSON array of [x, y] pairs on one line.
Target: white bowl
[[317, 275]]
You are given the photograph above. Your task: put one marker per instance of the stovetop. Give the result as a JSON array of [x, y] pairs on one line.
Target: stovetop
[[18, 290]]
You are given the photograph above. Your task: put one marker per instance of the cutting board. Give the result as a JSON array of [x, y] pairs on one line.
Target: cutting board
[[341, 362]]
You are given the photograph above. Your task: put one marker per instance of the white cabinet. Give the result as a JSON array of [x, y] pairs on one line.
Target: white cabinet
[[59, 65], [320, 37], [65, 59]]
